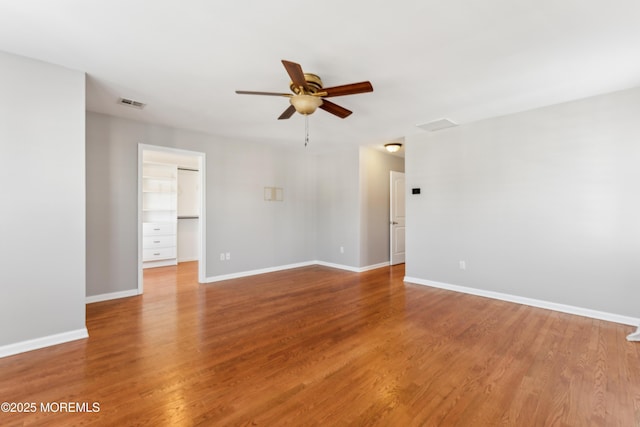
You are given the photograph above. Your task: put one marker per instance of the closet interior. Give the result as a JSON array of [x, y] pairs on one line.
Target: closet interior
[[170, 208]]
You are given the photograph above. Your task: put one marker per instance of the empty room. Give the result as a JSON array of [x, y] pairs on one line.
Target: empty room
[[415, 213]]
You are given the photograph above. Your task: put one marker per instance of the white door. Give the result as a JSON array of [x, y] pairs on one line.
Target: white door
[[397, 220]]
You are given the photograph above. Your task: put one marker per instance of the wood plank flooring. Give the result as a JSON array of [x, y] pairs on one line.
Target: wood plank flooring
[[319, 346]]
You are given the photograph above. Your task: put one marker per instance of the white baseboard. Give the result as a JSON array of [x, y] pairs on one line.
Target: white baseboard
[[258, 271], [35, 344], [373, 267], [634, 336], [160, 263], [290, 266], [134, 292], [579, 311], [110, 296], [338, 266], [350, 268]]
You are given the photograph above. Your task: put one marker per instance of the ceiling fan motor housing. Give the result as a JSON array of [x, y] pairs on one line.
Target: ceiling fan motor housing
[[313, 82]]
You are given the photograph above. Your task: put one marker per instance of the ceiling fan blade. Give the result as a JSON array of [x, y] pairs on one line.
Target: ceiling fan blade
[[287, 113], [295, 72], [335, 109], [251, 92], [350, 89]]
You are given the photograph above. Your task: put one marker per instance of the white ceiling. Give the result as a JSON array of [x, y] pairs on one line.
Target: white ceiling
[[460, 59]]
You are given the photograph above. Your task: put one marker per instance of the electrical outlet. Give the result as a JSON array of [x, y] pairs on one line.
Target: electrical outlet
[[228, 256], [463, 265], [221, 257], [341, 249]]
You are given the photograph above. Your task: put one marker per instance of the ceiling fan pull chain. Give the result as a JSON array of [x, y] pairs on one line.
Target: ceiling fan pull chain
[[306, 129]]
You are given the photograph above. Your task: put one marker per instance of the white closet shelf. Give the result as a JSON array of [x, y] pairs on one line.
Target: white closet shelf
[[160, 212]]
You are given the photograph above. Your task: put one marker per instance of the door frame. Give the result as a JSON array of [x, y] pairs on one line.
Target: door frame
[[392, 227], [202, 235]]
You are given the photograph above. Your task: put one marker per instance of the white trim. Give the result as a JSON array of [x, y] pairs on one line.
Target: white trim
[[112, 295], [634, 336], [203, 212], [563, 308], [202, 222], [141, 148], [338, 266], [135, 292], [255, 272], [354, 269], [289, 266], [159, 263], [37, 343], [373, 267]]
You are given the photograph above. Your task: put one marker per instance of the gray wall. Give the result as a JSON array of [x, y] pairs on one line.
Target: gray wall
[[258, 234], [321, 212], [374, 204], [338, 207], [543, 204], [42, 220]]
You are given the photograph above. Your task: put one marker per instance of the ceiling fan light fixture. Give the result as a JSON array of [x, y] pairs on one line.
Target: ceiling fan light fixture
[[393, 147], [305, 104]]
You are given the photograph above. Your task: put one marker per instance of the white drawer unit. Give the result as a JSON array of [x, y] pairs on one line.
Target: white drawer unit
[[151, 242], [159, 244], [159, 211], [158, 228], [159, 254]]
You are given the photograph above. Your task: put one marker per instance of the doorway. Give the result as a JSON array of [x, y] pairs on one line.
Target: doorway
[[397, 218], [171, 208]]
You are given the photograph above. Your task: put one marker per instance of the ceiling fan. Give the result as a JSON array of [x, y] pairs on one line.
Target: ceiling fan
[[308, 93]]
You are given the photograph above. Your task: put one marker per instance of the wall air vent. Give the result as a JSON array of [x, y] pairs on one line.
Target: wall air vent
[[131, 103], [437, 125]]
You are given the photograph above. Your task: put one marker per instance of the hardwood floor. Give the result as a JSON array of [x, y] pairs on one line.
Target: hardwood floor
[[318, 346]]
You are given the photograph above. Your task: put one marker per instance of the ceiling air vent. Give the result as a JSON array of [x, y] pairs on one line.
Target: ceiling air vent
[[131, 103], [437, 125]]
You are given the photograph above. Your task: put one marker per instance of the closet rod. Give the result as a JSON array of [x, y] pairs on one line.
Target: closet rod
[[188, 169]]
